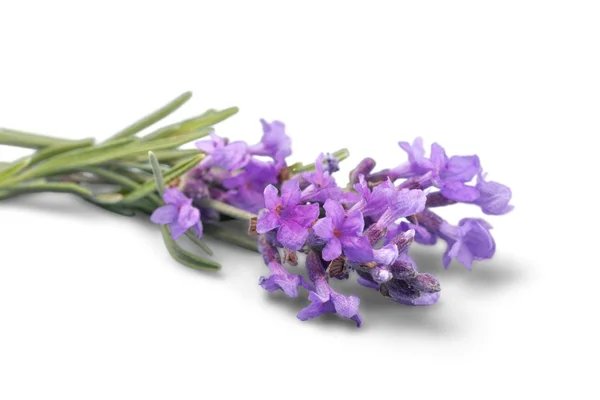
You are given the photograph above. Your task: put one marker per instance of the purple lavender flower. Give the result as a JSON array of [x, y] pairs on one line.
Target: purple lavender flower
[[247, 186], [324, 299], [493, 197], [373, 202], [283, 212], [274, 142], [229, 156], [470, 240], [281, 279], [448, 174], [343, 233], [322, 184], [179, 213]]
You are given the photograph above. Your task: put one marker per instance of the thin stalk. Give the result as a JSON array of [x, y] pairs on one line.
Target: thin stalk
[[153, 117], [11, 137], [226, 209]]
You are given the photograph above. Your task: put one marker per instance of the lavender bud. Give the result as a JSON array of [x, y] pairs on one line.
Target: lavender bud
[[426, 283], [375, 232], [404, 240], [401, 290], [314, 266], [332, 163], [363, 168], [401, 269], [268, 252], [437, 199]]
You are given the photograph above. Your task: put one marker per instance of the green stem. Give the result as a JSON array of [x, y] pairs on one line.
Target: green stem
[[48, 187], [153, 118], [227, 209], [11, 137]]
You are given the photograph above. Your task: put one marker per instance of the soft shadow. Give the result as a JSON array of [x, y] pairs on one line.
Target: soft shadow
[[59, 203], [496, 274]]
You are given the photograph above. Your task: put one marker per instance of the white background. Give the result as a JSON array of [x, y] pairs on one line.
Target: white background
[[93, 307]]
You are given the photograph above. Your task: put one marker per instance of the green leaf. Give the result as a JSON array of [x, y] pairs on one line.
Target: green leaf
[[57, 149], [150, 186], [12, 168], [153, 117], [48, 187], [108, 152], [185, 257], [205, 120], [159, 181], [11, 137]]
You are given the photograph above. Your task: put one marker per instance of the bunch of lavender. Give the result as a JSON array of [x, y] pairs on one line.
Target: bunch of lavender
[[365, 227]]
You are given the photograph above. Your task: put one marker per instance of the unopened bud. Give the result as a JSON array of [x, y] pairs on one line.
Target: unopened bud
[[426, 283], [363, 168]]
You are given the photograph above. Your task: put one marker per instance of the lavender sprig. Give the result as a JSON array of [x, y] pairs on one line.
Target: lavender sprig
[[363, 228]]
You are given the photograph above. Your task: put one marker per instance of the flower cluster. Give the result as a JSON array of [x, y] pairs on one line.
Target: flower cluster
[[365, 227], [368, 227]]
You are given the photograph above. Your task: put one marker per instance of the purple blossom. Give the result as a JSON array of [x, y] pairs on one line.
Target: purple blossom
[[343, 233], [283, 212], [470, 240], [324, 299], [281, 279], [274, 142], [322, 185], [494, 198], [447, 173], [179, 213], [229, 156], [247, 186]]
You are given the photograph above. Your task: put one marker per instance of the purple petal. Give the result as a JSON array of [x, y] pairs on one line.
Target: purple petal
[[177, 230], [335, 211], [292, 235], [174, 196], [267, 221], [386, 255], [346, 306], [290, 193], [188, 216], [438, 156], [207, 146], [316, 308], [271, 197], [408, 202], [476, 236], [305, 215], [198, 229], [494, 198], [164, 215], [332, 250], [324, 228], [357, 249], [461, 168], [354, 224], [458, 191]]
